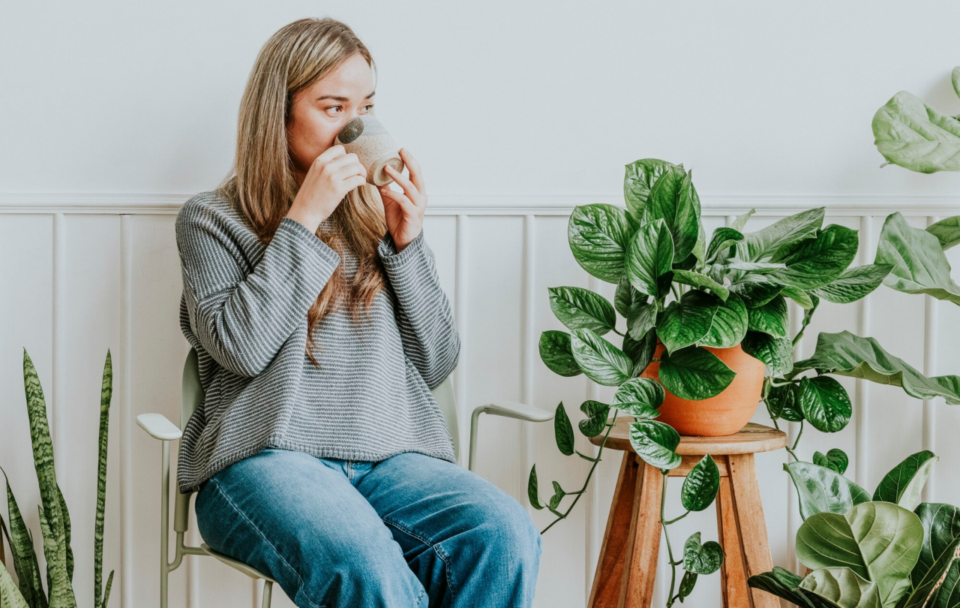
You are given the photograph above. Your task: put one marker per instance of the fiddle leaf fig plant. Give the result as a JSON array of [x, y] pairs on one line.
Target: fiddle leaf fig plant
[[678, 287]]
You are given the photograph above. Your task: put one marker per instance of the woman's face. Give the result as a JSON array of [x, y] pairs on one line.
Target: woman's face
[[321, 110]]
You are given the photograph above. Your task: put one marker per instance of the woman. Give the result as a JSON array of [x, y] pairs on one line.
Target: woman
[[320, 456]]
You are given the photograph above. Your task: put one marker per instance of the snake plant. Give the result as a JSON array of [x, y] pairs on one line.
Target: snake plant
[[54, 517]]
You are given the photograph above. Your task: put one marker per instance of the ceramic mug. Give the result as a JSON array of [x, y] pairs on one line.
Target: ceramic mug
[[366, 137]]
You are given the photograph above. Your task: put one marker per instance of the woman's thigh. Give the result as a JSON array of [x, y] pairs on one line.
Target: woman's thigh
[[305, 525], [468, 541]]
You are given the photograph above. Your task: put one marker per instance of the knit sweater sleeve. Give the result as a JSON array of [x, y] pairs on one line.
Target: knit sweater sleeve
[[424, 317], [242, 316]]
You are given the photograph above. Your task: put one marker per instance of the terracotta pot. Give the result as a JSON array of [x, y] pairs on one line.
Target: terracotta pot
[[723, 414]]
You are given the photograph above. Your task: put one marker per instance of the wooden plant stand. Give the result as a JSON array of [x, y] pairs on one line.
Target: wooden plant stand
[[627, 565]]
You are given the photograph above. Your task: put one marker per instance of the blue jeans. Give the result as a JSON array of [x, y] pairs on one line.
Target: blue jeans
[[409, 530]]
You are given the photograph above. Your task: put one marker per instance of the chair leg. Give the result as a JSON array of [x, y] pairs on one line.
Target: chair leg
[[643, 541], [750, 523], [267, 593], [733, 579], [606, 579]]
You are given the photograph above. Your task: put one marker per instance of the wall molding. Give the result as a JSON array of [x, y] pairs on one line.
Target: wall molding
[[507, 204]]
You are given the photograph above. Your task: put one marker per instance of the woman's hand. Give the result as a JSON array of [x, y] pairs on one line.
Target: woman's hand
[[404, 211]]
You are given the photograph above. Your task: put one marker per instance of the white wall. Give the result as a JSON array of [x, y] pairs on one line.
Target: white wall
[[113, 114]]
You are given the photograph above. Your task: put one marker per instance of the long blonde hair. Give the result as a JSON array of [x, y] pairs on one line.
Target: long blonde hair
[[261, 183]]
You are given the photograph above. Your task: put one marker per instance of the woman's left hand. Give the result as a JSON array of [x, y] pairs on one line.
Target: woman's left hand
[[404, 211]]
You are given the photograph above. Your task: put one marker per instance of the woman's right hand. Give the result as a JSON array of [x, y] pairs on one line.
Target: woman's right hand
[[330, 177]]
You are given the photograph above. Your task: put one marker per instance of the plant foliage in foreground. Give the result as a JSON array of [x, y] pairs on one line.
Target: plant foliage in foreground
[[54, 517], [676, 285]]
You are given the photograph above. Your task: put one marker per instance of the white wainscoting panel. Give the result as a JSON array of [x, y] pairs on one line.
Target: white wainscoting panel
[[80, 274]]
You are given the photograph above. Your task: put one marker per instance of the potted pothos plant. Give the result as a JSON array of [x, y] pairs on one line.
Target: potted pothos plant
[[707, 333], [884, 549]]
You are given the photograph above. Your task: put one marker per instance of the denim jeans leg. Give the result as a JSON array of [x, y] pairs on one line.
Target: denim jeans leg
[[470, 543], [302, 523]]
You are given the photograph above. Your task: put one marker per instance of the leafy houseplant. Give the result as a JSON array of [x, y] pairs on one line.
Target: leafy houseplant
[[54, 517], [688, 300], [905, 554]]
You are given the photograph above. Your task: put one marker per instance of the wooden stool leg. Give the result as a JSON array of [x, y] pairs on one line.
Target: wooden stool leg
[[640, 563], [606, 579], [733, 579], [750, 523]]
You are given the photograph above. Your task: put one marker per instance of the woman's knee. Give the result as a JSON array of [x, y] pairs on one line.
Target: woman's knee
[[507, 531]]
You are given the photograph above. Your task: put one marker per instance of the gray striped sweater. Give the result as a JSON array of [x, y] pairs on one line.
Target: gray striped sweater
[[244, 308]]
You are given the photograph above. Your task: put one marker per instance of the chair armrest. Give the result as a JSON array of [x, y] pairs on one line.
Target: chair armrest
[[159, 427], [513, 409], [507, 409]]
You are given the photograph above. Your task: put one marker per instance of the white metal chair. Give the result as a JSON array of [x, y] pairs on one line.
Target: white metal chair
[[159, 427]]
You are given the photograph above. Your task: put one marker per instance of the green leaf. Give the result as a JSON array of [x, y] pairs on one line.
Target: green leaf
[[640, 390], [784, 402], [563, 431], [825, 403], [699, 252], [61, 593], [640, 351], [639, 178], [776, 353], [655, 442], [878, 541], [836, 460], [688, 277], [600, 361], [762, 244], [723, 239], [9, 594], [701, 559], [799, 296], [813, 263], [640, 411], [854, 284], [941, 540], [947, 232], [649, 258], [626, 298], [642, 319], [770, 318], [24, 555], [902, 485], [755, 267], [596, 419], [106, 591], [843, 587], [66, 532], [913, 135], [687, 583], [757, 292], [823, 490], [558, 495], [685, 322], [783, 583], [729, 324], [598, 236], [694, 373], [701, 485], [106, 393], [741, 220], [846, 354], [581, 308], [533, 493], [557, 353], [919, 264], [674, 200]]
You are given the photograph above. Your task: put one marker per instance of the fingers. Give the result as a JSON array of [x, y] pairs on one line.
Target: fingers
[[414, 168], [420, 200], [409, 208]]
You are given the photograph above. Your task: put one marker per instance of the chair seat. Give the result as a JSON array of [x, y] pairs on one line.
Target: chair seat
[[238, 565]]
